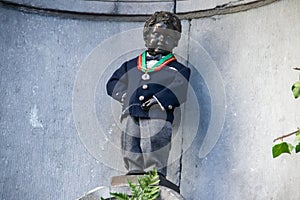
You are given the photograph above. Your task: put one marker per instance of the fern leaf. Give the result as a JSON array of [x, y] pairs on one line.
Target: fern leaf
[[147, 188], [154, 190], [143, 182], [134, 189], [154, 197], [119, 196], [154, 182]]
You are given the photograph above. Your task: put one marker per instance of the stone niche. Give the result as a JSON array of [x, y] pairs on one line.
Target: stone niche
[[128, 7]]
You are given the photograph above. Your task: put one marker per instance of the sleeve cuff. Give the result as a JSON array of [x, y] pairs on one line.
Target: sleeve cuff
[[159, 103]]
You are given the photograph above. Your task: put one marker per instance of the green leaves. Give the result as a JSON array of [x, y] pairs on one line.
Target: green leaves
[[134, 189], [298, 148], [120, 196], [281, 148], [285, 147], [298, 136], [147, 189], [296, 89]]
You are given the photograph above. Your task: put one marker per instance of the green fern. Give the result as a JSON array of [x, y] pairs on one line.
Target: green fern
[[120, 196], [147, 189], [134, 189]]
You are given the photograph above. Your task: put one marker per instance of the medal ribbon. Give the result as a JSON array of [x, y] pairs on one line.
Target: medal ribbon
[[158, 66]]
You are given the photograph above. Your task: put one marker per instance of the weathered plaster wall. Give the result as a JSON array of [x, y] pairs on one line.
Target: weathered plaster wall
[[41, 154], [254, 52], [42, 157]]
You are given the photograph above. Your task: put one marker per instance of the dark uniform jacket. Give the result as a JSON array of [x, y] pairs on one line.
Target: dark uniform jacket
[[168, 85]]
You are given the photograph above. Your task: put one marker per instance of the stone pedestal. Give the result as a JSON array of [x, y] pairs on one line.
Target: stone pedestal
[[96, 194], [168, 190]]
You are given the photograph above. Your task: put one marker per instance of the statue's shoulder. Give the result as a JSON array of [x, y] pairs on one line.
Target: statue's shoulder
[[129, 64], [179, 66]]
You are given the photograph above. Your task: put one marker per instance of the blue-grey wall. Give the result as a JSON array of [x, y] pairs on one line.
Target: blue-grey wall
[[41, 154], [226, 141]]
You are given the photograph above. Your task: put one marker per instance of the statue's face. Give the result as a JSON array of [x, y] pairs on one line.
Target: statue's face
[[160, 39]]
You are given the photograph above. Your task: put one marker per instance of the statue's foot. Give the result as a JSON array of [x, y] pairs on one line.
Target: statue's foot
[[165, 182], [136, 172], [161, 174]]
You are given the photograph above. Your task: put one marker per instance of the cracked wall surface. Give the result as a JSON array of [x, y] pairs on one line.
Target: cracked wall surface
[[42, 156]]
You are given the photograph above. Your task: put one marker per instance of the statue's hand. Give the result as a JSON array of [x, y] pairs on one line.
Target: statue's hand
[[149, 103]]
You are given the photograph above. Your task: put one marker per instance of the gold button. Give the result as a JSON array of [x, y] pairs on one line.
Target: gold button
[[145, 87], [170, 107], [141, 98]]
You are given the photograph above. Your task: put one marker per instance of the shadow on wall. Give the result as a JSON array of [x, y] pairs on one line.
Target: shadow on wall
[[201, 91]]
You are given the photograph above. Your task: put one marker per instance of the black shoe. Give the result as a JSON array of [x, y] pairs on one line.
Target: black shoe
[[163, 181], [136, 172], [161, 175]]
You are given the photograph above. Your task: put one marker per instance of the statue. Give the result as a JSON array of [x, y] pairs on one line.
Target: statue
[[149, 87]]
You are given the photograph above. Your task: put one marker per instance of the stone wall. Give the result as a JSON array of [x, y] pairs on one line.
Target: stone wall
[[240, 96]]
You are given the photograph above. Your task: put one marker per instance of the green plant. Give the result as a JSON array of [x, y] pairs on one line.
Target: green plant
[[146, 189], [284, 147]]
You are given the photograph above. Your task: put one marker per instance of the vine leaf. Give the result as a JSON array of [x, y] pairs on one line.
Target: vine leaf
[[291, 147], [296, 89], [298, 148], [281, 148], [298, 136]]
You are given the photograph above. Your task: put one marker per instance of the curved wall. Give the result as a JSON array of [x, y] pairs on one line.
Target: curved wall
[[133, 10], [42, 156]]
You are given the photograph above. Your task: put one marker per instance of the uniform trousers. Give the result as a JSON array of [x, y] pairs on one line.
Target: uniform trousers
[[146, 144]]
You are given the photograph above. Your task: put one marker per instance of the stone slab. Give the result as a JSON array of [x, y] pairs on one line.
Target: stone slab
[[123, 180], [97, 193]]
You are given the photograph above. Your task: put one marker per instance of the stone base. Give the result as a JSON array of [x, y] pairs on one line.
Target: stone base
[[123, 180], [96, 194], [168, 190]]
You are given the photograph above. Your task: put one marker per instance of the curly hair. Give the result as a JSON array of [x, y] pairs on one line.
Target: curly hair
[[167, 18]]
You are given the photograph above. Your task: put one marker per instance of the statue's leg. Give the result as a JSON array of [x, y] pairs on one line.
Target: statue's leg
[[156, 137], [131, 150]]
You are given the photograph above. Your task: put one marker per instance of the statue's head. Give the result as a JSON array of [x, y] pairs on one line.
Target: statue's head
[[162, 32]]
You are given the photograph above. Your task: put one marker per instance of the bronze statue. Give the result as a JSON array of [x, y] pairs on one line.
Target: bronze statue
[[150, 86]]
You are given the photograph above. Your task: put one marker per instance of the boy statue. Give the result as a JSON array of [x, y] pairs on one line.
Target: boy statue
[[150, 87]]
